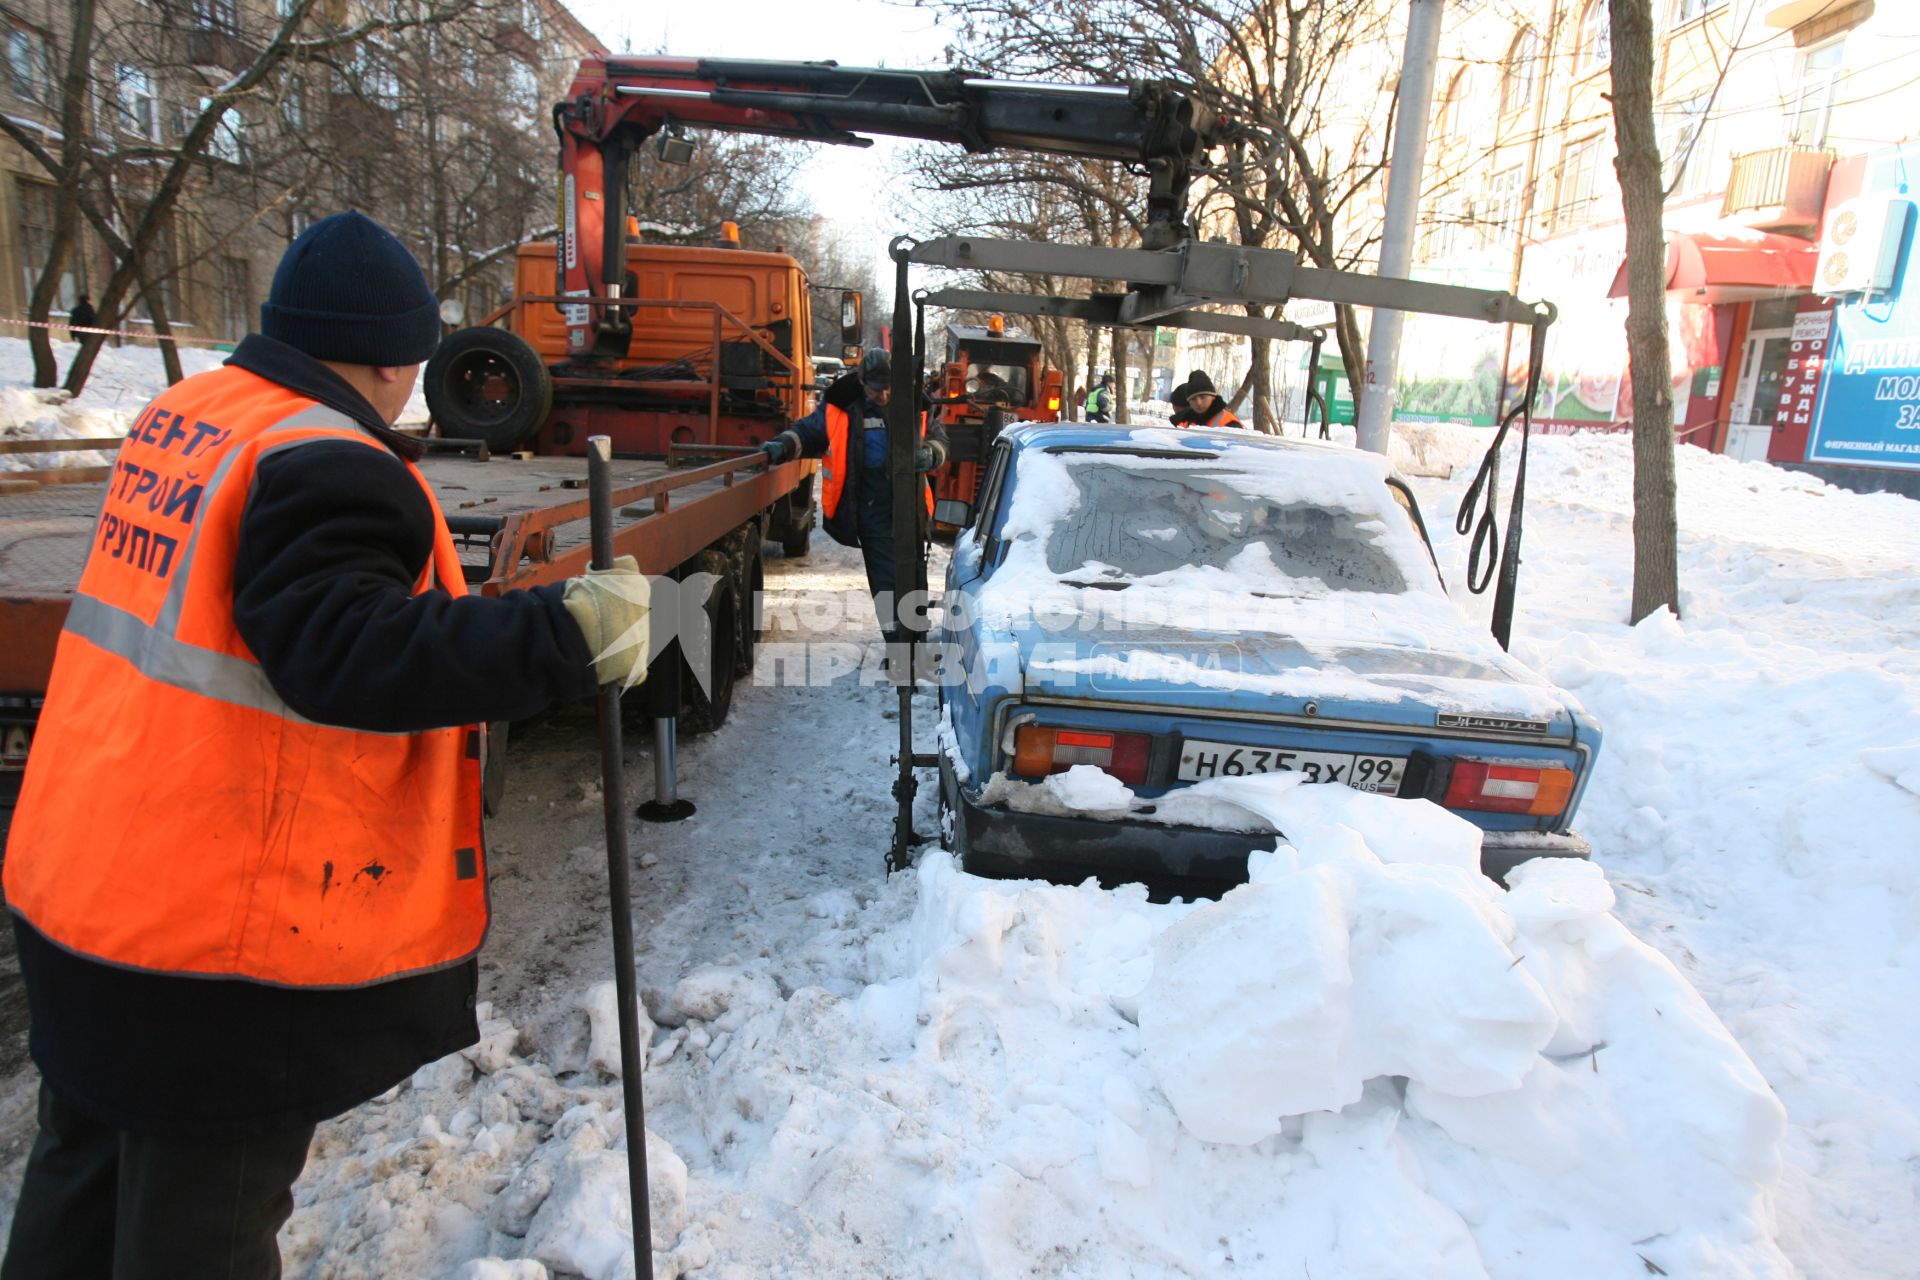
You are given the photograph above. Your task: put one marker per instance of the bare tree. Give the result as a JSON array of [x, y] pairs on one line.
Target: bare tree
[[1045, 198], [129, 184], [1656, 576], [1291, 177]]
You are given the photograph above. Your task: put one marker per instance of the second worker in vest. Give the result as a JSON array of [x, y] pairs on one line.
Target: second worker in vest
[[849, 432], [246, 866], [1198, 404]]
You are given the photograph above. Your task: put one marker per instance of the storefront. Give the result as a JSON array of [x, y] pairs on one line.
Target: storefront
[[1852, 416]]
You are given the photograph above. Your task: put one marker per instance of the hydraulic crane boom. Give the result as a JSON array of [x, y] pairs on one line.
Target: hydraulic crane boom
[[617, 103]]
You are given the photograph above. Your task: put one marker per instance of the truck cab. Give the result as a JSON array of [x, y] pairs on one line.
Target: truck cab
[[992, 376]]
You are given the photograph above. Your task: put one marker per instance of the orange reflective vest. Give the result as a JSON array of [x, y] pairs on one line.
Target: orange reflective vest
[[833, 469], [177, 816], [1222, 417]]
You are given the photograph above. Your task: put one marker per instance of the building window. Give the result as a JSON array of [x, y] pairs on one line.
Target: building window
[[139, 107], [1688, 165], [229, 140], [1580, 184], [27, 73], [1595, 49], [1521, 75], [379, 83], [293, 107], [236, 298], [1819, 79], [1452, 230], [1687, 10], [1505, 203], [523, 84], [33, 214], [216, 15], [1449, 124]]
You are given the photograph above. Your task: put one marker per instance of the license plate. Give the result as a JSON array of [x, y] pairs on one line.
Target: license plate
[[1379, 774]]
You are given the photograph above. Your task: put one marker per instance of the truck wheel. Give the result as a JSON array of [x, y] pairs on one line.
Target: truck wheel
[[794, 543], [705, 710], [488, 384]]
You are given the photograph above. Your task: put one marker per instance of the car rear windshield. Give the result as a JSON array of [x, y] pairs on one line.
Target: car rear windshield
[[1136, 519]]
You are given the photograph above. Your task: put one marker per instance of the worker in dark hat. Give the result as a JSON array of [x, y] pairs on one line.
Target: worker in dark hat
[[849, 431], [1198, 404], [246, 867]]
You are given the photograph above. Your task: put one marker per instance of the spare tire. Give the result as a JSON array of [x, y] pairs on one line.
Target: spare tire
[[488, 384]]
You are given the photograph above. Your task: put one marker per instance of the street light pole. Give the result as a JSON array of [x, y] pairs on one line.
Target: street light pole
[[1375, 422]]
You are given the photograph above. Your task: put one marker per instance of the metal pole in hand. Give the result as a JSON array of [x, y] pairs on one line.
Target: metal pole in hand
[[613, 795]]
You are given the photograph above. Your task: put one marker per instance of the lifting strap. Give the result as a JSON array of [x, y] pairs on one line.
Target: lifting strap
[[1480, 567]]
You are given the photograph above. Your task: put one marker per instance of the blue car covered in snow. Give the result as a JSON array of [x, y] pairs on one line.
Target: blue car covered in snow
[[1169, 606]]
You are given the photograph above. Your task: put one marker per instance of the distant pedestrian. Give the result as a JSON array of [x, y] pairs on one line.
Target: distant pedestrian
[[1100, 400], [83, 316]]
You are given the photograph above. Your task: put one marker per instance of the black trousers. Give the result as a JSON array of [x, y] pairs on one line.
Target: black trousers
[[100, 1203], [875, 523]]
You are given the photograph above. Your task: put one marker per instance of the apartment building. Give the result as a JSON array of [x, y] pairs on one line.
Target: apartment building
[[1789, 130], [439, 130]]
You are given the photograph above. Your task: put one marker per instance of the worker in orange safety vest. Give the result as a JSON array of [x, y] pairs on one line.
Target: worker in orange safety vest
[[1197, 404], [246, 866], [848, 430]]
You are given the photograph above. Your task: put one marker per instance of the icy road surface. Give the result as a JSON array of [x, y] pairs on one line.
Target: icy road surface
[[1694, 1055]]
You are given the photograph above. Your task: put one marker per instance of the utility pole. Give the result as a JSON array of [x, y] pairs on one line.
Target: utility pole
[[1375, 422]]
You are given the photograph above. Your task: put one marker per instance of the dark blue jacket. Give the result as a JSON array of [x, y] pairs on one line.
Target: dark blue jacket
[[866, 448]]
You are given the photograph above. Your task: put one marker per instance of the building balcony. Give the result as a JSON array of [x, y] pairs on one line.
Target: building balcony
[[216, 51], [1780, 189]]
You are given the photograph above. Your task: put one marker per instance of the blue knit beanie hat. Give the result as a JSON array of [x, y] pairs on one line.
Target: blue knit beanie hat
[[347, 290]]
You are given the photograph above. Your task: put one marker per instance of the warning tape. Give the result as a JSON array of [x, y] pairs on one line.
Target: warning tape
[[146, 335]]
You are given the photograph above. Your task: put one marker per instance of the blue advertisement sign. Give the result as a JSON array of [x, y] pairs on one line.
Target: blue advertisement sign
[[1869, 407]]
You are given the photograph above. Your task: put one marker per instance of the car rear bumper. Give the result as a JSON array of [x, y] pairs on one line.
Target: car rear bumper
[[1004, 842]]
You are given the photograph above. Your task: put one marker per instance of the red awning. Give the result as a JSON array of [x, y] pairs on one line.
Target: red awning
[[1732, 266]]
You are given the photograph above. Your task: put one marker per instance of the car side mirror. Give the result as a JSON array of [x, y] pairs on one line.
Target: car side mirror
[[954, 512]]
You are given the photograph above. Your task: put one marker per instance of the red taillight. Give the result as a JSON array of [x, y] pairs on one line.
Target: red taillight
[[1039, 751], [1505, 788]]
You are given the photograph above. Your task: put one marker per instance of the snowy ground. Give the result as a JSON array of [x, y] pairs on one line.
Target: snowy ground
[[1368, 1063]]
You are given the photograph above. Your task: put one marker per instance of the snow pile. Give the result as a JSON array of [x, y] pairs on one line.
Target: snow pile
[[30, 413], [122, 382], [1010, 1075], [1755, 803]]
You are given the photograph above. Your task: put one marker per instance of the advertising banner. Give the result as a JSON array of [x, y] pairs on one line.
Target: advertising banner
[[1869, 403], [1867, 413]]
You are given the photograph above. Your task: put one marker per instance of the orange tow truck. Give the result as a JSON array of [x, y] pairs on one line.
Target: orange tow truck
[[992, 376]]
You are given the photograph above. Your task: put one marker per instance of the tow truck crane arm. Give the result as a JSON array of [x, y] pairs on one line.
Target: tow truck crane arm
[[616, 103]]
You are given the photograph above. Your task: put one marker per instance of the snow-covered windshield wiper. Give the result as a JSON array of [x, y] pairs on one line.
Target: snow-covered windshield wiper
[[1103, 585]]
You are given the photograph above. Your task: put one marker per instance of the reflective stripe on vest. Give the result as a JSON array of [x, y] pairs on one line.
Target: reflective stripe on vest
[[177, 816], [833, 467]]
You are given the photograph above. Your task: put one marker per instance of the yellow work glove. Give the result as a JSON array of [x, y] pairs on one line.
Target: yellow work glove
[[610, 607]]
